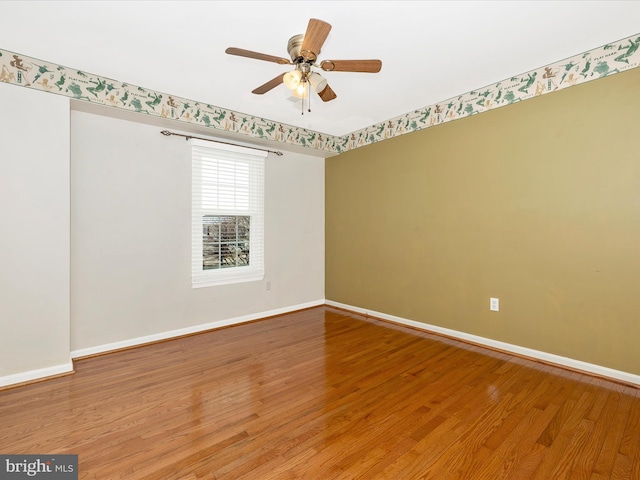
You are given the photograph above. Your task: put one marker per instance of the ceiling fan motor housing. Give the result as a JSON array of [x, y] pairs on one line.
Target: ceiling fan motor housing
[[298, 56]]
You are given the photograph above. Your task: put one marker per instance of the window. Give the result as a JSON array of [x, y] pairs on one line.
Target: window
[[227, 214]]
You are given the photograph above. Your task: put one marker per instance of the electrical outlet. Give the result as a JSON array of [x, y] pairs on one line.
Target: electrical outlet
[[494, 304], [269, 285]]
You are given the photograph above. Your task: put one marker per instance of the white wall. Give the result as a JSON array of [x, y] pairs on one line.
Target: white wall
[[34, 240], [131, 245]]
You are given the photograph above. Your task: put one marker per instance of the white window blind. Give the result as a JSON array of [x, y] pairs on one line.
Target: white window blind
[[227, 214]]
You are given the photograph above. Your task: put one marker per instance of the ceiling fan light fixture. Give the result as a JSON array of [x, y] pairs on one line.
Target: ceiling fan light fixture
[[317, 81], [302, 90], [292, 79]]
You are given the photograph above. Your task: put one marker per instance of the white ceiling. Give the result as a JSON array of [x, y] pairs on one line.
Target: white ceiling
[[430, 50]]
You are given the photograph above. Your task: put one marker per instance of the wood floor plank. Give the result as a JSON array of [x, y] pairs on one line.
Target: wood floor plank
[[324, 394], [627, 462], [522, 426], [617, 423]]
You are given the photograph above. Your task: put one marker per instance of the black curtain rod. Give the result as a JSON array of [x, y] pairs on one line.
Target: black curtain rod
[[167, 133]]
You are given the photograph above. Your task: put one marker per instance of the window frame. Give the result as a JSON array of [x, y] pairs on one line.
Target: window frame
[[205, 158]]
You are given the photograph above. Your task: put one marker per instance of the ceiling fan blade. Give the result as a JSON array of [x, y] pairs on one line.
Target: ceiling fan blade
[[366, 66], [258, 56], [273, 83], [317, 32], [327, 94]]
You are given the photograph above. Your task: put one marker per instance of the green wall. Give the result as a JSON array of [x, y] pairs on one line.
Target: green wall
[[537, 203]]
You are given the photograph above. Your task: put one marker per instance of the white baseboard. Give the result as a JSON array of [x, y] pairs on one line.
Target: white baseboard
[[495, 344], [38, 374], [84, 352]]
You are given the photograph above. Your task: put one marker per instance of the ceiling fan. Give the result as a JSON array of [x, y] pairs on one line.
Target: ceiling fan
[[304, 50]]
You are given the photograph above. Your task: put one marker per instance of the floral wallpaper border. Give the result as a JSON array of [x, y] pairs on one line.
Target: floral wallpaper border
[[29, 72], [603, 61]]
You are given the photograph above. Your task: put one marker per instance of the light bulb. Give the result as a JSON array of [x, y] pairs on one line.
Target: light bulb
[[292, 79], [301, 90], [317, 81]]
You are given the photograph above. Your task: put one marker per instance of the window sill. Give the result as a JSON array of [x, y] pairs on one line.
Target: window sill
[[226, 278]]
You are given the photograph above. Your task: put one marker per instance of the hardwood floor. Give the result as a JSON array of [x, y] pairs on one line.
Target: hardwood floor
[[324, 394]]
